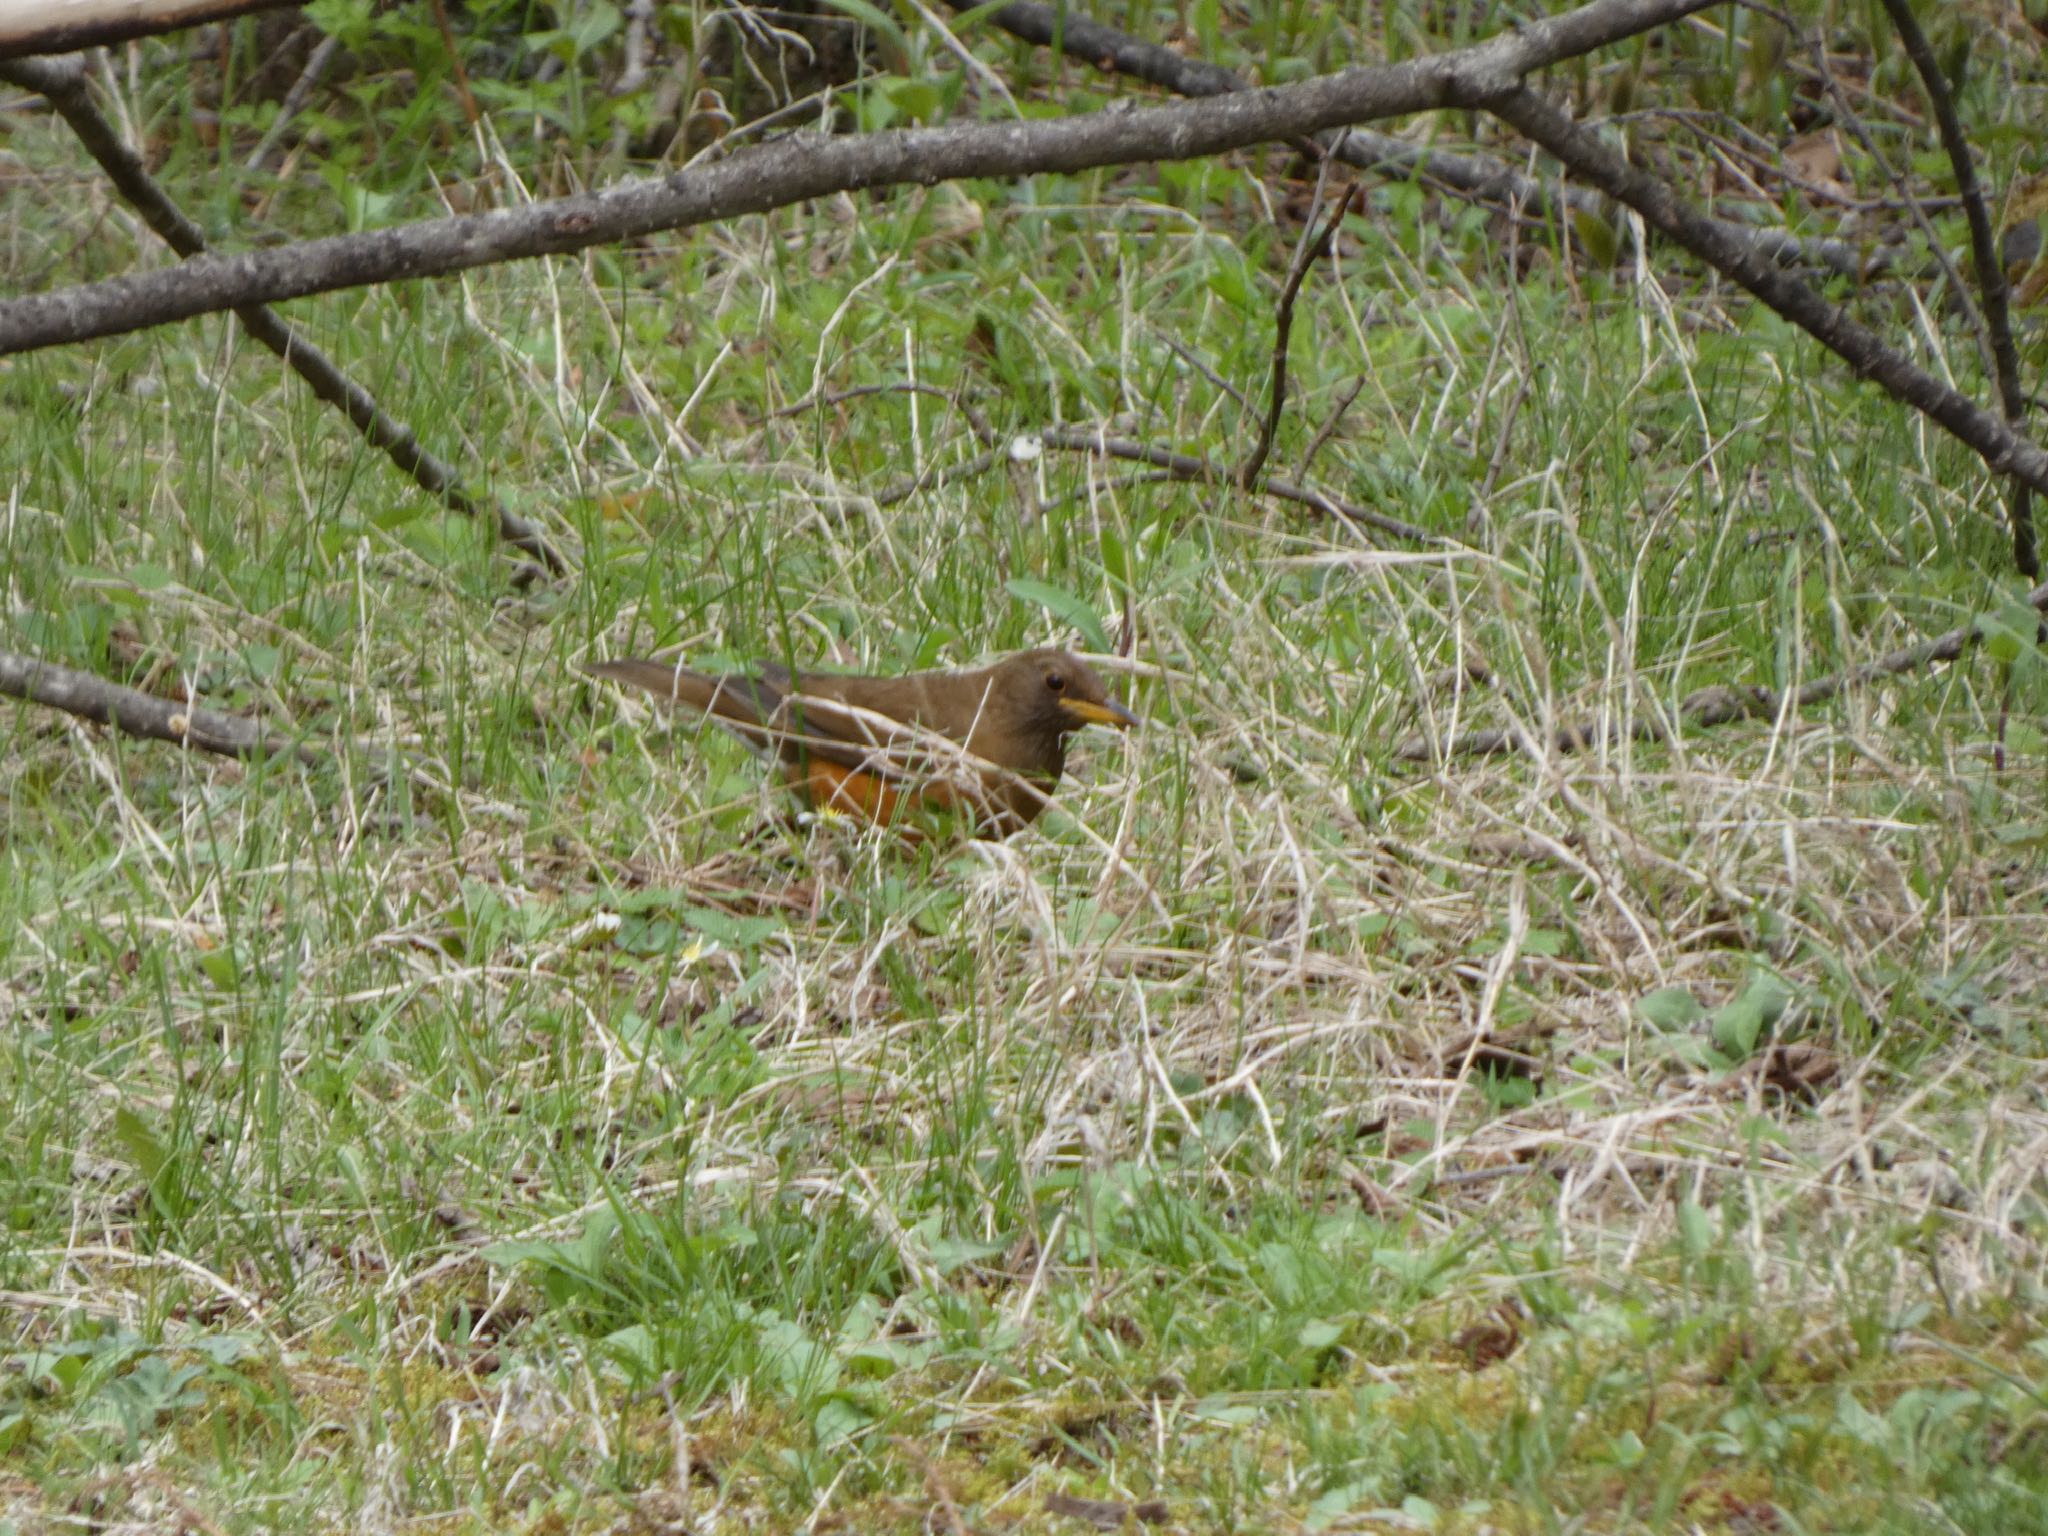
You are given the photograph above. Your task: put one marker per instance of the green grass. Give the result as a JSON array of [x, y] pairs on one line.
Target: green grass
[[519, 1123]]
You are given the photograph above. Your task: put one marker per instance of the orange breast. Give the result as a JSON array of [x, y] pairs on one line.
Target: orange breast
[[830, 786]]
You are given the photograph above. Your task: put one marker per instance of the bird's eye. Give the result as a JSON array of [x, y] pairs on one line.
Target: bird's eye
[[1055, 681]]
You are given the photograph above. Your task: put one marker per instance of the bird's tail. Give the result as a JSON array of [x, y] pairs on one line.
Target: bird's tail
[[739, 701]]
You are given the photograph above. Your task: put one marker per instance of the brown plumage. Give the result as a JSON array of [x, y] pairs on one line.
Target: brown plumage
[[991, 741]]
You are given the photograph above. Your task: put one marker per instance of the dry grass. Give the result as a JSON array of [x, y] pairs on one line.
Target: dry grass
[[545, 1131]]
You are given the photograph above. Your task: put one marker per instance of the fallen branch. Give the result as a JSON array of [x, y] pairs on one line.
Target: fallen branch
[[806, 166], [62, 82], [1185, 466], [141, 714], [1714, 705], [1172, 466], [1486, 77]]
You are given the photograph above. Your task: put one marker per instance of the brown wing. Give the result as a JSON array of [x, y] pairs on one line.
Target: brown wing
[[764, 710]]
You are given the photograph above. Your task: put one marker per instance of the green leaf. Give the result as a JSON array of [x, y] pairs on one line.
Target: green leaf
[[1405, 1264], [1335, 1503], [918, 100], [1695, 1229], [634, 1351], [1116, 558], [149, 577], [1600, 238], [1062, 605], [840, 1417], [1229, 281], [1319, 1334], [1740, 1022], [1670, 1008], [2000, 643], [349, 22], [733, 932], [1221, 1410], [140, 1142], [950, 1253]]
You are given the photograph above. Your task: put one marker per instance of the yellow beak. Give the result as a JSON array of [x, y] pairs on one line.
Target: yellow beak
[[1109, 712]]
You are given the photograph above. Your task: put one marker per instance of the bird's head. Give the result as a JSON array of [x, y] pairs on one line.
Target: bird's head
[[1056, 693]]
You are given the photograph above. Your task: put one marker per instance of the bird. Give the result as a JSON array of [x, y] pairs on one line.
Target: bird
[[988, 741]]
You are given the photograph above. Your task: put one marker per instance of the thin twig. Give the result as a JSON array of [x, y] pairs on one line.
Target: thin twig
[[633, 72], [1185, 466], [975, 419], [1502, 442], [1594, 160], [1117, 486], [804, 167], [1908, 201], [1173, 466], [1328, 429], [471, 114], [1313, 244], [1482, 77], [294, 101], [1194, 360], [935, 477], [30, 29]]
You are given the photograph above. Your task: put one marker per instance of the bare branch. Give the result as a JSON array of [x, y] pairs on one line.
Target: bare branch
[[1111, 51], [1478, 177], [64, 26], [141, 714], [812, 402], [1185, 466], [1984, 251], [792, 170], [63, 83], [1593, 159], [294, 102], [1195, 361]]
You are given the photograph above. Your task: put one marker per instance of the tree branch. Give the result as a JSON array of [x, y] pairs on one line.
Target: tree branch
[[1185, 466], [796, 169], [64, 26], [1590, 157], [63, 83], [1477, 177], [141, 714], [1984, 252]]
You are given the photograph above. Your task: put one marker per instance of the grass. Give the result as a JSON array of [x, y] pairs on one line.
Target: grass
[[519, 1123]]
